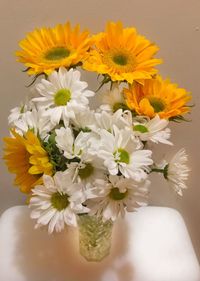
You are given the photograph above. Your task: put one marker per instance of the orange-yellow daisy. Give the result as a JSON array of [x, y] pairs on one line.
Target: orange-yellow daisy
[[157, 96], [26, 158], [122, 54], [46, 49]]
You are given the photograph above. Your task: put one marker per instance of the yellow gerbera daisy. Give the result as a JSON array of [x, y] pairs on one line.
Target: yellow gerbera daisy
[[122, 54], [46, 49], [26, 158], [157, 96]]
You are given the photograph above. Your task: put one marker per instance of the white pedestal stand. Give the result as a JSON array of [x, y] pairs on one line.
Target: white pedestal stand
[[151, 245]]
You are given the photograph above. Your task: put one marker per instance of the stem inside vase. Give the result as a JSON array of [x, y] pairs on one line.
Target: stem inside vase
[[95, 237]]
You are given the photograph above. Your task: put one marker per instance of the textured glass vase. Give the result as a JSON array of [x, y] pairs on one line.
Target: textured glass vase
[[94, 237]]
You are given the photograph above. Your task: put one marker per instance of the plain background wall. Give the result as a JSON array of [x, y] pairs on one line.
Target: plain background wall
[[174, 25]]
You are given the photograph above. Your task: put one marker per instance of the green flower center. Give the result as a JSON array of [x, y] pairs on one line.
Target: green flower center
[[59, 201], [86, 130], [157, 104], [122, 155], [140, 128], [86, 172], [22, 109], [116, 195], [120, 59], [62, 97], [119, 105], [57, 53]]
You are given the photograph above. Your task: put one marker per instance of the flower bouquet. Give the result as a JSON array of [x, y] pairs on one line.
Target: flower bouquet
[[84, 165]]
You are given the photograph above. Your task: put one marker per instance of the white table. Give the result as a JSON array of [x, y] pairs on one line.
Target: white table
[[151, 245]]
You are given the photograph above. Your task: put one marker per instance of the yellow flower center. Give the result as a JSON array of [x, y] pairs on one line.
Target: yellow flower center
[[57, 53], [157, 104], [116, 195], [59, 201], [122, 156], [62, 97], [86, 172]]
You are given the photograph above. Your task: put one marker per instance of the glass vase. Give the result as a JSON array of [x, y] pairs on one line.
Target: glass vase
[[94, 237]]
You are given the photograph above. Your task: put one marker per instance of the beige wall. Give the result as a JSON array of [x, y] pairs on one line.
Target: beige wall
[[173, 24]]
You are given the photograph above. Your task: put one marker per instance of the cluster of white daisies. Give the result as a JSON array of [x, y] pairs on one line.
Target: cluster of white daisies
[[101, 158]]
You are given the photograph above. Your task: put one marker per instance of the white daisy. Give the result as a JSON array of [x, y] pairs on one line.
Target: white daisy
[[15, 114], [57, 201], [84, 120], [106, 120], [88, 165], [113, 197], [113, 99], [122, 153], [87, 170], [154, 130], [71, 146], [34, 120], [177, 171], [63, 94]]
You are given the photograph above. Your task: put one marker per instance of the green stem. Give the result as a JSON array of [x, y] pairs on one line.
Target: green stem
[[157, 170]]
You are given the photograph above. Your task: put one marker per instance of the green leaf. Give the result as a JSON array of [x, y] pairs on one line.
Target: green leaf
[[178, 119]]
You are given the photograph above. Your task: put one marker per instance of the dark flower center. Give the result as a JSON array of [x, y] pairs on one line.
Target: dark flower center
[[57, 53], [115, 194], [120, 59], [59, 201], [86, 172], [157, 104]]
